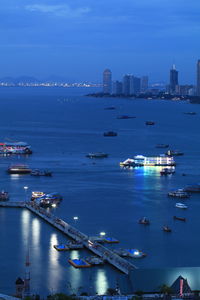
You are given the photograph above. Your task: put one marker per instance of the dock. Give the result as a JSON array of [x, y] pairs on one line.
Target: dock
[[101, 251]]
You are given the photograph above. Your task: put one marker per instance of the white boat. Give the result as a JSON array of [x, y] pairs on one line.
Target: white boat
[[181, 205]]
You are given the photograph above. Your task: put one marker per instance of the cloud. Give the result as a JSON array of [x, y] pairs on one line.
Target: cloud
[[58, 10]]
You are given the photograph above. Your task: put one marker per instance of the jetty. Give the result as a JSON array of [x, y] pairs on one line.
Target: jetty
[[96, 248]]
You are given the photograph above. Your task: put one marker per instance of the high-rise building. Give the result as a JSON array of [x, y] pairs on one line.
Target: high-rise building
[[144, 83], [107, 81], [128, 85], [198, 78], [173, 80], [117, 87], [136, 85]]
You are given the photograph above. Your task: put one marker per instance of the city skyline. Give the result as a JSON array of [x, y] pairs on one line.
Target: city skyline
[[79, 39]]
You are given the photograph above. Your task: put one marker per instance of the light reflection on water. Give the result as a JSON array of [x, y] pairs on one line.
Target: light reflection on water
[[25, 227], [101, 283]]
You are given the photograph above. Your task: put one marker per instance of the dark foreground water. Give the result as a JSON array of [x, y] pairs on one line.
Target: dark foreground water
[[62, 126]]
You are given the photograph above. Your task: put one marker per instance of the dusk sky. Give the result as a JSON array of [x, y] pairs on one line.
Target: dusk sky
[[78, 39]]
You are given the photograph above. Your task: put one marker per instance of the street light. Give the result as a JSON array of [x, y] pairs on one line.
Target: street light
[[102, 234], [75, 218], [25, 190]]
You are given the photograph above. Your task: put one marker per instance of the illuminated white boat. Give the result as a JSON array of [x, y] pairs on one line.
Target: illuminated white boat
[[141, 161], [181, 205]]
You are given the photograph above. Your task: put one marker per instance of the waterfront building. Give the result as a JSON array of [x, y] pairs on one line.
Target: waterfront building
[[136, 85], [128, 85], [107, 81], [117, 87], [173, 80], [198, 78], [144, 83]]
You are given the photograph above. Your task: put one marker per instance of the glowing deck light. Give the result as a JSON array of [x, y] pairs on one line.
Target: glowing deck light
[[75, 218], [102, 233]]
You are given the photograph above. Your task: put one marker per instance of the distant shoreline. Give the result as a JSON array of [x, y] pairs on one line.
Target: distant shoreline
[[160, 96]]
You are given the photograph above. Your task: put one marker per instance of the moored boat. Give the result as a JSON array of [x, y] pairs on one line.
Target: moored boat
[[97, 155], [141, 161], [181, 205], [149, 123], [110, 133], [37, 172], [166, 228], [174, 153], [167, 171], [15, 148], [193, 188], [4, 196], [179, 218], [19, 169], [180, 193], [36, 194], [125, 117], [144, 221]]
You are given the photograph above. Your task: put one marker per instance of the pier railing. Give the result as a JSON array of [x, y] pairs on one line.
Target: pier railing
[[69, 230]]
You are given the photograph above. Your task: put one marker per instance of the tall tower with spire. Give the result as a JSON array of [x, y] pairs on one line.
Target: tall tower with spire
[[173, 79]]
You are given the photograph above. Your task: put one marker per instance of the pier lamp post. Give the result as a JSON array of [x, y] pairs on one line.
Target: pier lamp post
[[102, 234], [75, 219], [25, 190]]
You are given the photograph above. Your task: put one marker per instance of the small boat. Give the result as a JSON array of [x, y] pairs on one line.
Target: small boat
[[181, 205], [110, 108], [193, 188], [179, 218], [4, 196], [94, 260], [49, 200], [110, 133], [37, 172], [180, 193], [162, 146], [166, 229], [149, 123], [190, 113], [135, 253], [167, 171], [36, 195], [19, 169], [97, 155], [125, 117], [144, 221], [174, 153]]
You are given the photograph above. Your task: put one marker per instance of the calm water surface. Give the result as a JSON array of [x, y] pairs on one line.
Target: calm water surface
[[62, 126]]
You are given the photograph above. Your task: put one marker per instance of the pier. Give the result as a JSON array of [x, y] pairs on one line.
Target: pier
[[103, 252]]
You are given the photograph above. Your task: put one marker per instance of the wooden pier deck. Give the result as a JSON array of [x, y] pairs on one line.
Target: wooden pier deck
[[69, 230]]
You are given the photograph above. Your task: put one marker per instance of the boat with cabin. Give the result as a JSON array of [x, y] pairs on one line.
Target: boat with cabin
[[166, 229], [180, 193], [15, 148], [141, 161], [97, 155], [144, 221], [19, 169], [174, 153], [181, 205], [179, 218], [37, 172], [110, 133]]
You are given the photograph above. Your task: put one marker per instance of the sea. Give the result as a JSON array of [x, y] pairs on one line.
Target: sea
[[63, 125]]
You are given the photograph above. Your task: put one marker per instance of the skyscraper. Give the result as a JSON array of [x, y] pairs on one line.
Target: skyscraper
[[173, 80], [144, 83], [198, 78], [128, 85], [107, 81], [117, 87]]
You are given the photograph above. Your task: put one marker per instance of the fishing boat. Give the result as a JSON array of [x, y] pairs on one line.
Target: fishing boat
[[167, 171], [19, 169], [97, 155], [166, 229], [179, 218], [144, 221], [181, 205], [180, 193], [110, 133]]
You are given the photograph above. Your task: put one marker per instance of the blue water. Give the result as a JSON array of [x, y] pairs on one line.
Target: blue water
[[62, 126]]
